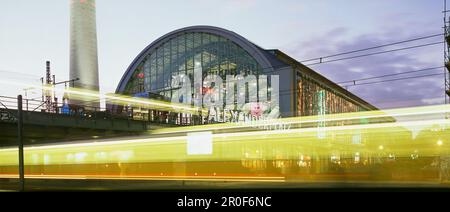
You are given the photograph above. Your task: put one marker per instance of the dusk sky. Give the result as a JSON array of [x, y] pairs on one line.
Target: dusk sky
[[32, 32]]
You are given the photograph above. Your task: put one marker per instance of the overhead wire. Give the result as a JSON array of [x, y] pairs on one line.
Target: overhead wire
[[374, 47]]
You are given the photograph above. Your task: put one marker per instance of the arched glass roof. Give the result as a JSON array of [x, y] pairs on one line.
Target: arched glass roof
[[217, 51]]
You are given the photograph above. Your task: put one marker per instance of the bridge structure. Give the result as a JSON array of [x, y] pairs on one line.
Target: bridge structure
[[64, 124]]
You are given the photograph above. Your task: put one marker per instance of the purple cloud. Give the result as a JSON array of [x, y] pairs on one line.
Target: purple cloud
[[403, 93]]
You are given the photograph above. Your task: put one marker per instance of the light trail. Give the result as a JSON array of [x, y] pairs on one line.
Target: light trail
[[174, 147], [115, 98], [149, 178], [125, 100], [255, 134], [344, 141], [404, 112]]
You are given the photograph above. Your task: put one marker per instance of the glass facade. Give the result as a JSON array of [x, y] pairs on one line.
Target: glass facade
[[185, 53], [215, 55], [314, 98]]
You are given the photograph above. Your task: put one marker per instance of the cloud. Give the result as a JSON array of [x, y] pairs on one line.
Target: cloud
[[432, 101], [356, 69], [401, 93]]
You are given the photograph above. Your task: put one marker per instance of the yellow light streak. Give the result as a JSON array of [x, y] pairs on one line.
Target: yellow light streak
[[173, 147], [403, 112], [151, 178], [77, 93], [380, 138]]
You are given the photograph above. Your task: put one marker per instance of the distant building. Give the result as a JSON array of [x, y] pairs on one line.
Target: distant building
[[302, 91], [83, 50]]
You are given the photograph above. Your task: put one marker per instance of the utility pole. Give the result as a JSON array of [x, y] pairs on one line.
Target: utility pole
[[20, 140], [49, 98], [446, 54], [48, 93]]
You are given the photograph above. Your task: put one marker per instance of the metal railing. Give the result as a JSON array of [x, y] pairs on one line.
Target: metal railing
[[84, 111], [28, 104]]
